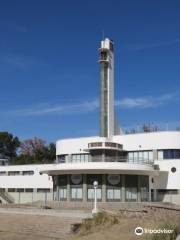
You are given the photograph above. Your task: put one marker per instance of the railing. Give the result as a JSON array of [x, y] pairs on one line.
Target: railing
[[6, 196], [111, 159]]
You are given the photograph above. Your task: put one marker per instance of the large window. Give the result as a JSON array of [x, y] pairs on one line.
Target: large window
[[140, 157], [169, 154], [80, 158]]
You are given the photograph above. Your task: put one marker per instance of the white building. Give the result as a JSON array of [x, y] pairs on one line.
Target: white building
[[128, 167]]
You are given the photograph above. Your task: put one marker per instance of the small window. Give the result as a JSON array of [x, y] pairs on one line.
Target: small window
[[173, 169], [2, 173], [20, 189], [28, 173], [11, 189], [28, 190], [13, 173], [43, 190]]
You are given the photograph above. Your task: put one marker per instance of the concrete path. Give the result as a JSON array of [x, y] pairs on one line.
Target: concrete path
[[75, 214]]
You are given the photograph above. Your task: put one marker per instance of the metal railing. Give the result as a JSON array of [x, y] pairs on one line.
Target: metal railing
[[6, 196], [112, 159]]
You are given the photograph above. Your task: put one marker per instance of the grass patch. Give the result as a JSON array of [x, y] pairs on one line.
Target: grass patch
[[99, 220], [167, 236]]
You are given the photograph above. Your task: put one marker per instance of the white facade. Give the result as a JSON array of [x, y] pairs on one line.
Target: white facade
[[25, 176]]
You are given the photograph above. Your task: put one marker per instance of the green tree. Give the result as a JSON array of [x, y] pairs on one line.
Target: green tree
[[9, 145], [35, 151]]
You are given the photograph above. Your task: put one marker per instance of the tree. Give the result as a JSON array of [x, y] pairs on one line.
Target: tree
[[35, 151], [9, 145]]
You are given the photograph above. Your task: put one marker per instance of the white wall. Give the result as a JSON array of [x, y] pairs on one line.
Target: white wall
[[27, 181], [140, 141], [168, 179]]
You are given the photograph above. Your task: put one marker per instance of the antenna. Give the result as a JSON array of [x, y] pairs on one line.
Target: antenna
[[102, 34]]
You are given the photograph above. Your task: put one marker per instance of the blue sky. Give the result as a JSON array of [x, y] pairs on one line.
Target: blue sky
[[49, 74]]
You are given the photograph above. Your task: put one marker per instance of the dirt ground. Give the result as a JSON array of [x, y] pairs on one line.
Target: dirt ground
[[14, 226]]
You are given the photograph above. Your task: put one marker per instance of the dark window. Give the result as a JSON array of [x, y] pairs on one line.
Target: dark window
[[173, 169], [28, 189], [168, 191], [11, 189], [171, 154], [20, 189], [103, 55], [28, 172], [43, 190], [13, 173], [2, 173]]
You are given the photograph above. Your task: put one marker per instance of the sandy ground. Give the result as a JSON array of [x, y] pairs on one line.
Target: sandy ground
[[41, 224], [32, 224]]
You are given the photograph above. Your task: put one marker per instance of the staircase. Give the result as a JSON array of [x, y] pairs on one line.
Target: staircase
[[6, 197]]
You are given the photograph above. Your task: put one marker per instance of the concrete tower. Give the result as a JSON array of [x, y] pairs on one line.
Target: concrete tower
[[106, 88]]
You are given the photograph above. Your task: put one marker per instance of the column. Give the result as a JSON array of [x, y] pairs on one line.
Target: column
[[149, 189], [84, 188], [155, 154], [104, 188], [139, 189], [68, 189], [123, 189]]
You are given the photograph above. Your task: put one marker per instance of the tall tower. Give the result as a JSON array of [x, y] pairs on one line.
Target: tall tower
[[106, 62]]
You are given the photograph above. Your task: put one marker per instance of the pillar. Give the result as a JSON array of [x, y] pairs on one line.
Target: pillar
[[84, 188], [155, 154], [68, 189], [149, 198], [139, 189], [123, 189], [104, 187]]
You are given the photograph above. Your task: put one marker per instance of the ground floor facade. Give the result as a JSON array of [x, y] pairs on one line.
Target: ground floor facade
[[111, 187]]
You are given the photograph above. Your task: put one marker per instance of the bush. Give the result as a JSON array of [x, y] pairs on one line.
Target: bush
[[170, 236]]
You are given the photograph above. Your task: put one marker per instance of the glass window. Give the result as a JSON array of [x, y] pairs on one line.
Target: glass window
[[63, 193], [2, 173], [140, 156], [146, 156], [28, 189], [113, 194], [20, 189], [76, 193], [91, 193], [160, 155], [135, 156], [151, 156], [28, 172], [43, 190], [13, 173], [130, 156]]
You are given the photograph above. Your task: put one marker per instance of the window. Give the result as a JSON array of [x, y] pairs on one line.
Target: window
[[103, 55], [80, 158], [43, 190], [168, 191], [140, 157], [28, 190], [11, 189], [20, 189], [160, 155], [2, 173], [28, 173], [173, 169], [63, 193], [62, 158], [13, 173], [171, 154]]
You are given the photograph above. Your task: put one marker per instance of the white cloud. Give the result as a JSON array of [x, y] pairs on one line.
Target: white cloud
[[92, 105], [153, 45], [83, 107], [146, 101]]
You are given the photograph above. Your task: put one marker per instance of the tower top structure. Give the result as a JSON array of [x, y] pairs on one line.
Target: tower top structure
[[106, 61]]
